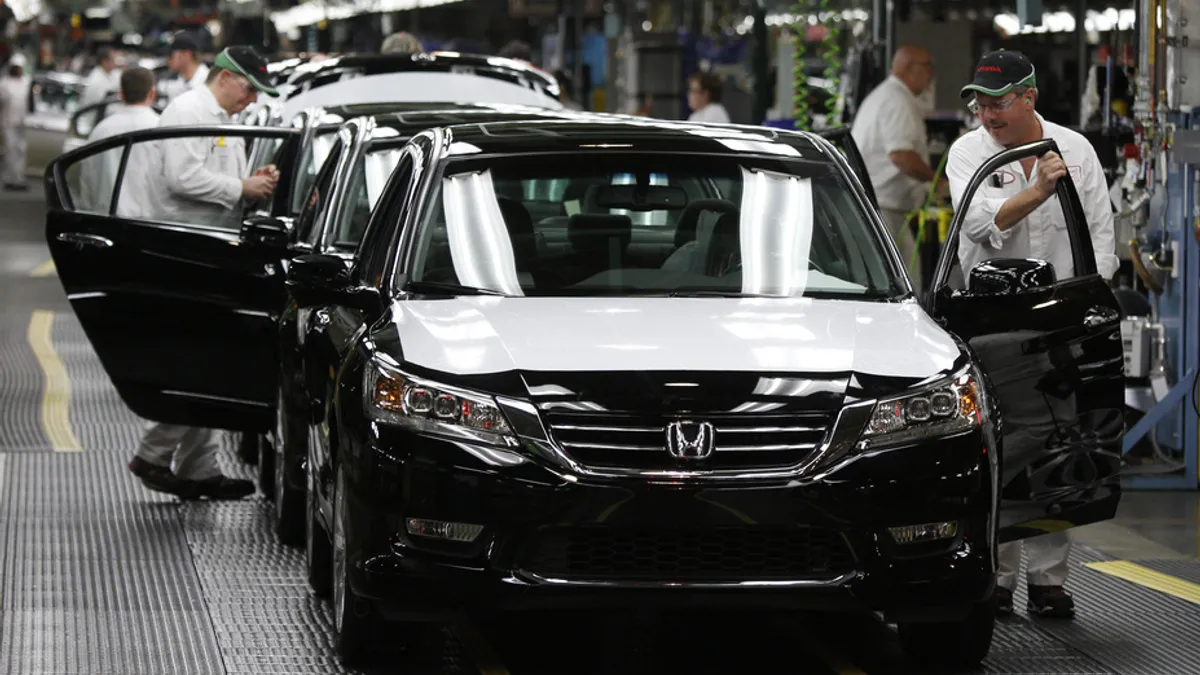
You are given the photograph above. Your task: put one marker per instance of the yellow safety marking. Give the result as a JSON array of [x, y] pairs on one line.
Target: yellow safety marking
[[56, 386], [478, 650], [46, 269], [1143, 576], [1049, 525]]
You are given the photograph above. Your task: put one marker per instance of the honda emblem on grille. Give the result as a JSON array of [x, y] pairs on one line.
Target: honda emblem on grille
[[690, 440]]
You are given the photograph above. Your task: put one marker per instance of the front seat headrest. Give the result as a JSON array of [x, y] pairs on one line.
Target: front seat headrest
[[599, 233], [689, 219], [725, 246], [520, 228]]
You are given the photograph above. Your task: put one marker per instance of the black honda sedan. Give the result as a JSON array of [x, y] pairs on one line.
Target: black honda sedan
[[639, 363]]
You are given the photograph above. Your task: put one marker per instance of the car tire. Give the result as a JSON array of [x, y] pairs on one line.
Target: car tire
[[318, 553], [290, 504], [355, 624], [959, 645], [247, 449], [266, 467]]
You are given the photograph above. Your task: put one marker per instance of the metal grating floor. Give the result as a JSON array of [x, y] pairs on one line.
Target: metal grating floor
[[100, 575]]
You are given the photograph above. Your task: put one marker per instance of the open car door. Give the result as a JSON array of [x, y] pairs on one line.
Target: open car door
[[841, 139], [1051, 349], [181, 309]]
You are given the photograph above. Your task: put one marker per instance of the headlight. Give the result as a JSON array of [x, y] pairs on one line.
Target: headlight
[[944, 409], [394, 398]]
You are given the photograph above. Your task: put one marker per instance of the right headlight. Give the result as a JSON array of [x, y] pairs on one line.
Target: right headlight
[[944, 409], [402, 400]]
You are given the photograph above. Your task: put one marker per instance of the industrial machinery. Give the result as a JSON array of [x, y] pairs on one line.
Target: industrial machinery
[[1159, 212]]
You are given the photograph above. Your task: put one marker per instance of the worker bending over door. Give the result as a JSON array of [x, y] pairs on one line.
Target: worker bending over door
[[197, 180], [1015, 214]]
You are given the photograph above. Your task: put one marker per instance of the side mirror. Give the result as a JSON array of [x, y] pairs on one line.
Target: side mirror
[[1010, 276], [319, 280], [272, 231]]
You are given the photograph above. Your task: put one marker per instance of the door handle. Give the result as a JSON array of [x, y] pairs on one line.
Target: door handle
[[82, 239], [1099, 316]]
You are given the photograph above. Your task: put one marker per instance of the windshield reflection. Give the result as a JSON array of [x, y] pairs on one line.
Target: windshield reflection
[[649, 225]]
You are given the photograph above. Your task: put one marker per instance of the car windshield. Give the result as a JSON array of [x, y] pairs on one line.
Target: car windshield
[[312, 158], [648, 224]]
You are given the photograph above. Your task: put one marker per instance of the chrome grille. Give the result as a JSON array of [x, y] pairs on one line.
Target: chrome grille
[[609, 440]]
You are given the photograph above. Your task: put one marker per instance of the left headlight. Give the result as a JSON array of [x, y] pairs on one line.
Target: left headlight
[[949, 407], [399, 399]]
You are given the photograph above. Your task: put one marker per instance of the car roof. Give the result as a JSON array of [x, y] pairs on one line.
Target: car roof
[[427, 115], [358, 65], [573, 133]]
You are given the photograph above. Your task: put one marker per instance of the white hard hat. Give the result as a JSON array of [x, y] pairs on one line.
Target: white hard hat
[[18, 59]]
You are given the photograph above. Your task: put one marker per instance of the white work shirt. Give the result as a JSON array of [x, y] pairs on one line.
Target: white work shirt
[[190, 179], [179, 86], [99, 85], [713, 112], [98, 173], [890, 120], [1042, 235], [14, 102]]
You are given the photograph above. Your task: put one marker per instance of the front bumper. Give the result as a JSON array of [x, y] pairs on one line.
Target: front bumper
[[552, 540]]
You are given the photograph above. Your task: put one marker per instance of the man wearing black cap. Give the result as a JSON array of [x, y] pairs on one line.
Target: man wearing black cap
[[184, 62], [197, 180], [1015, 214]]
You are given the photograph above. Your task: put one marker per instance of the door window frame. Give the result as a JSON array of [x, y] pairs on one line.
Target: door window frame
[[1078, 232]]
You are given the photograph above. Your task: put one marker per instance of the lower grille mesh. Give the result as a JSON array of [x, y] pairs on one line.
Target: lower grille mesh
[[717, 555]]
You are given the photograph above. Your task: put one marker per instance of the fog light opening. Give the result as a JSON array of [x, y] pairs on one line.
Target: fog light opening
[[915, 534], [440, 529]]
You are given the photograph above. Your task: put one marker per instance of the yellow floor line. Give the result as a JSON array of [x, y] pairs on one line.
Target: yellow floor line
[[1144, 576], [56, 385], [46, 269]]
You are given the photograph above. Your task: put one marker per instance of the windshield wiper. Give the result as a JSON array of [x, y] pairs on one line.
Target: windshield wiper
[[685, 293], [449, 288]]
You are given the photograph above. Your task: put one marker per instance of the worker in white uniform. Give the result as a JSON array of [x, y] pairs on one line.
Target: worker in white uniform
[[105, 78], [704, 99], [98, 174], [184, 62], [889, 131], [1015, 214], [199, 180], [14, 105]]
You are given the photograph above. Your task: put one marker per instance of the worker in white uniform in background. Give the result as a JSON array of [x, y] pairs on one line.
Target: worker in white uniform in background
[[704, 99], [185, 62], [99, 173], [401, 43], [1015, 214], [889, 130], [14, 105], [200, 180], [105, 78]]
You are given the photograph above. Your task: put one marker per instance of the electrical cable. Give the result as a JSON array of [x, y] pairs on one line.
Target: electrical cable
[[921, 212]]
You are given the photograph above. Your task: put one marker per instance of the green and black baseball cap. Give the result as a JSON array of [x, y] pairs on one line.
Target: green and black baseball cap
[[249, 63], [999, 72]]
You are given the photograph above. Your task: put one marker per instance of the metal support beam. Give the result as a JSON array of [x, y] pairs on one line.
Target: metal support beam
[[761, 64], [1081, 46]]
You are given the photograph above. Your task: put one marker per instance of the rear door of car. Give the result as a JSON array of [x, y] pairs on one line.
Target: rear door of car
[[181, 310], [1051, 349]]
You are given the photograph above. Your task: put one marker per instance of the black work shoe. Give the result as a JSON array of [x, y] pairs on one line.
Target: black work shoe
[[1004, 601], [1051, 602], [161, 479], [222, 487]]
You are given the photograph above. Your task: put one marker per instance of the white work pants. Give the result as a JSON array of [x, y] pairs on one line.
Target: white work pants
[[1048, 556], [14, 156], [906, 242], [190, 452]]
